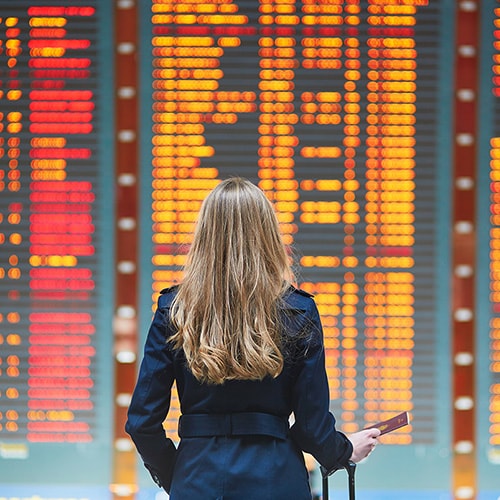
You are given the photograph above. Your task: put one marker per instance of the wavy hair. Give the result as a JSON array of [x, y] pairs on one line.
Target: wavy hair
[[237, 270]]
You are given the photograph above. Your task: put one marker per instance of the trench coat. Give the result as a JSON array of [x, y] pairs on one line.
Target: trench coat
[[216, 459]]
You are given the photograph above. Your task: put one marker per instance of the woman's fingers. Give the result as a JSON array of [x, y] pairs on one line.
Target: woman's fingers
[[363, 443]]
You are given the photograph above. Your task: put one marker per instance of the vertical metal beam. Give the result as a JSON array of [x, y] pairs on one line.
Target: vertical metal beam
[[464, 248], [126, 212]]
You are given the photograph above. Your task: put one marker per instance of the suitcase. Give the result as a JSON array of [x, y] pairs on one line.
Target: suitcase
[[351, 469]]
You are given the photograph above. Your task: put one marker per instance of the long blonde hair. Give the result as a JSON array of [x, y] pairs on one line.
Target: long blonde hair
[[225, 311]]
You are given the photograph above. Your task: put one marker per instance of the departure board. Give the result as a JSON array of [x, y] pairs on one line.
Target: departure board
[[342, 112], [488, 313], [54, 324], [335, 109]]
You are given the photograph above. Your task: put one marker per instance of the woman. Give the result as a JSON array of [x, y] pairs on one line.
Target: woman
[[246, 351]]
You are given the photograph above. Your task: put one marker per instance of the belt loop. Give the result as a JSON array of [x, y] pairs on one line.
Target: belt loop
[[228, 424]]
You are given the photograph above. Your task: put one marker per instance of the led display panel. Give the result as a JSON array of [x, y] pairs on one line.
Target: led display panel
[[488, 298], [340, 112], [54, 336]]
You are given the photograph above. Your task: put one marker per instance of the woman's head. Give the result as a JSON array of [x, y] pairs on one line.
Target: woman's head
[[238, 233], [237, 270]]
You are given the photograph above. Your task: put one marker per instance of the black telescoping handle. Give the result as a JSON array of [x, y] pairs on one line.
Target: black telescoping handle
[[324, 493], [351, 469]]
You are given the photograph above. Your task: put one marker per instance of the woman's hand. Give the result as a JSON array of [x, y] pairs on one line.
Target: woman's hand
[[363, 443]]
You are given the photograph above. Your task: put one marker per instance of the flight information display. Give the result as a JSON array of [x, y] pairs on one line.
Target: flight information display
[[488, 313], [323, 115], [494, 406], [54, 335], [334, 109], [342, 112]]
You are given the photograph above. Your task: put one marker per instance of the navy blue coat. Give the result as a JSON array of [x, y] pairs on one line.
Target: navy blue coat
[[253, 465]]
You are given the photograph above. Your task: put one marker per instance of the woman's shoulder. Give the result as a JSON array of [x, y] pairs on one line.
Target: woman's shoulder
[[301, 322], [167, 296], [296, 298]]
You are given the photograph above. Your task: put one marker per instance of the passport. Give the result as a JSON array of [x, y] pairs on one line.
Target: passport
[[392, 423]]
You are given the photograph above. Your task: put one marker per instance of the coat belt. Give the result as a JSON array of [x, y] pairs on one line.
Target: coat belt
[[233, 424]]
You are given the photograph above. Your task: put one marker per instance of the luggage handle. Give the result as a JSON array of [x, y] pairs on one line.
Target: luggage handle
[[350, 467]]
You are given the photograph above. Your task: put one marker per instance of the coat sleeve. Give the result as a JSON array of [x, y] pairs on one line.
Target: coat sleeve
[[151, 401], [314, 428]]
